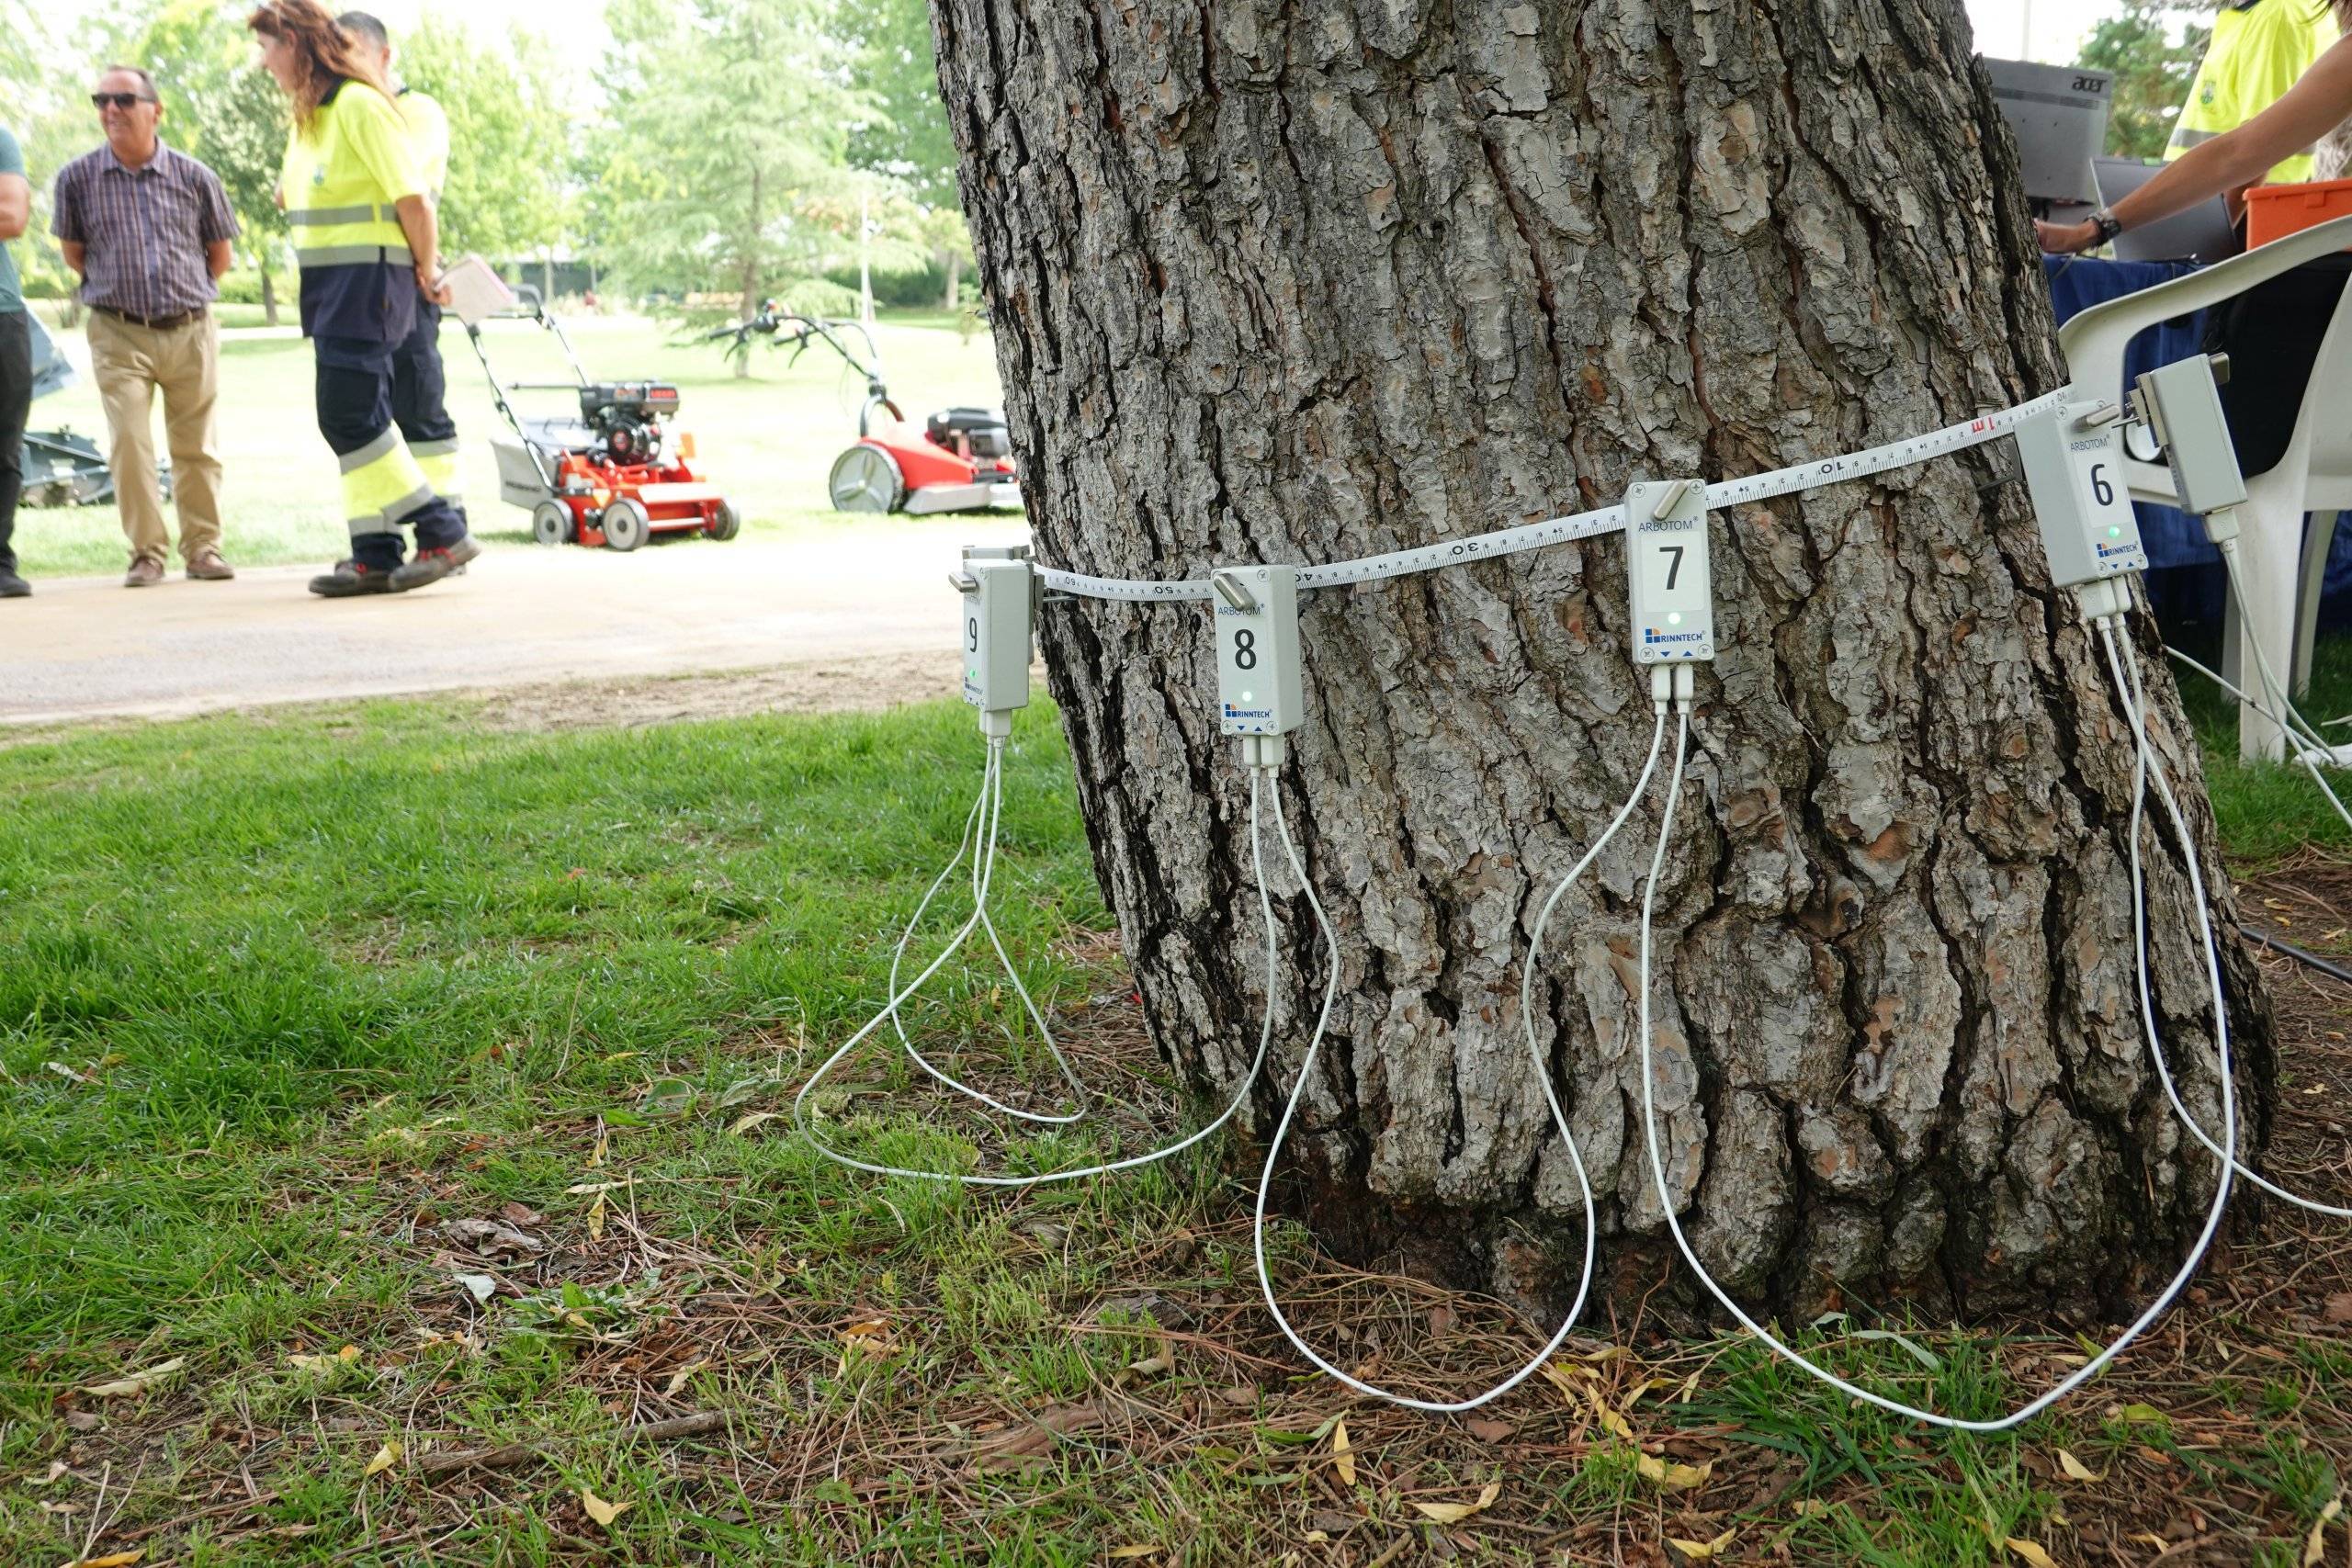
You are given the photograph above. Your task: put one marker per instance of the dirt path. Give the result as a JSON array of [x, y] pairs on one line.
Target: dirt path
[[856, 616]]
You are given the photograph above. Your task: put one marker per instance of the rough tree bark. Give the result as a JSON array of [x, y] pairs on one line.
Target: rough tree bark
[[1306, 281]]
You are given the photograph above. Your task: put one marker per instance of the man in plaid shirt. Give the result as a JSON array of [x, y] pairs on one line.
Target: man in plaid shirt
[[148, 228]]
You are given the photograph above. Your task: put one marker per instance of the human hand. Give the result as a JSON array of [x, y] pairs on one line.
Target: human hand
[[2065, 238], [429, 283]]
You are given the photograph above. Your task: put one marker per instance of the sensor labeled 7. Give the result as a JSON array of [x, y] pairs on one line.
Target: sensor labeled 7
[[1672, 590]]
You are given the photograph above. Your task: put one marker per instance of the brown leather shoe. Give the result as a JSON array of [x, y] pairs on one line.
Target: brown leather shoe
[[209, 567], [143, 573]]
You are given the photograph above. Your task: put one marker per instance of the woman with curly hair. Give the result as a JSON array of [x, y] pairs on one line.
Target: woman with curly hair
[[356, 193]]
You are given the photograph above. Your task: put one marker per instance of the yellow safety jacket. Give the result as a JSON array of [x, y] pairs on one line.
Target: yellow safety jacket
[[428, 130], [342, 179], [2259, 49]]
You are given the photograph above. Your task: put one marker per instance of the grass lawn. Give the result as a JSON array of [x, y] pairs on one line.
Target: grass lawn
[[408, 1091], [770, 440]]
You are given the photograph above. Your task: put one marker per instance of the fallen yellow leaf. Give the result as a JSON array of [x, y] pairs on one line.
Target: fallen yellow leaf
[[137, 1382], [1128, 1553], [743, 1125], [1612, 1420], [2316, 1543], [1342, 1456], [604, 1513], [321, 1363], [2076, 1470], [596, 1219], [1673, 1477], [2142, 1413], [1454, 1513], [2033, 1554], [596, 1156], [678, 1379], [1703, 1551], [112, 1559], [386, 1457], [1557, 1376]]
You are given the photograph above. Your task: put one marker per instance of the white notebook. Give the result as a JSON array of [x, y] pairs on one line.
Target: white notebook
[[475, 293]]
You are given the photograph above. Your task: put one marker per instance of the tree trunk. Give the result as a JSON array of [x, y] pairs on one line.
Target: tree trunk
[[1302, 282], [268, 293]]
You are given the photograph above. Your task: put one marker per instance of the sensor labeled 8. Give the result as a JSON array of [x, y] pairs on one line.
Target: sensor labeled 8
[[1673, 594], [2073, 470], [995, 632], [1257, 649]]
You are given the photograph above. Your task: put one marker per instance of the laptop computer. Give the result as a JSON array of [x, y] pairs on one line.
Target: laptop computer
[[2202, 233], [2058, 113]]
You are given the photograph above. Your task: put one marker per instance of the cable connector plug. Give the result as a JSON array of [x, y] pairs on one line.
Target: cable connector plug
[[2104, 599], [1661, 686], [1264, 753], [1686, 687], [2222, 528]]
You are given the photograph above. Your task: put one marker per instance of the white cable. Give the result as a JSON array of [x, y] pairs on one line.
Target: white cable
[[1587, 525], [2281, 711], [990, 801], [2097, 1364], [1306, 1072], [2148, 1002], [806, 1129]]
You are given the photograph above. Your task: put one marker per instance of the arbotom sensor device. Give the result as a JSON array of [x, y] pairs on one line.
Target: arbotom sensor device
[[996, 632], [1673, 594], [1257, 649], [2073, 455]]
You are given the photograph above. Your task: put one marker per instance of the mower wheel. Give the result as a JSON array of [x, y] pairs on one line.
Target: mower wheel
[[724, 523], [627, 524], [551, 524], [866, 479]]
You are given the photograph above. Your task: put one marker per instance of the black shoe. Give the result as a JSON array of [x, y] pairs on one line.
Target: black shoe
[[349, 580], [431, 566], [14, 587]]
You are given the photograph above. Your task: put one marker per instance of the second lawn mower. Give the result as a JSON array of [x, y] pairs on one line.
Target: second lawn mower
[[613, 474], [960, 460]]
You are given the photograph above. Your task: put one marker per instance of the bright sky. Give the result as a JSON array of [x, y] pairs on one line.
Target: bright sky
[[2047, 30]]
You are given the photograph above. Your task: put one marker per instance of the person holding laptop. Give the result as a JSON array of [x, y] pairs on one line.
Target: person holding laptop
[[2275, 326]]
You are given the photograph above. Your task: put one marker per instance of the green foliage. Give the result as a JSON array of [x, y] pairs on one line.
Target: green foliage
[[908, 135], [221, 106], [723, 164], [508, 136], [2152, 73]]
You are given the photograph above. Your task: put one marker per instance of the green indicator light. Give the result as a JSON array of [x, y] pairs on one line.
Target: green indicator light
[[1248, 696], [2115, 533], [1674, 618]]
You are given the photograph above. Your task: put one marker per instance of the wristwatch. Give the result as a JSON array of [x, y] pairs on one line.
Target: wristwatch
[[2105, 222]]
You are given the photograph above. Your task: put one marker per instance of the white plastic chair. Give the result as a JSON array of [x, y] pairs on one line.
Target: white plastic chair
[[2284, 557]]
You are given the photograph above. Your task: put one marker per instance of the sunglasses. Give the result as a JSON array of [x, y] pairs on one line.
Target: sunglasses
[[118, 100]]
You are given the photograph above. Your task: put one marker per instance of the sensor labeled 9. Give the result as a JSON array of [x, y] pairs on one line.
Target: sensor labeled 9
[[995, 631], [1257, 649], [1673, 592]]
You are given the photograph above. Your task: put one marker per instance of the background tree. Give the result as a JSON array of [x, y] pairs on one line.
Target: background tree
[[722, 164], [2151, 71], [1302, 283], [223, 107], [508, 194], [907, 136]]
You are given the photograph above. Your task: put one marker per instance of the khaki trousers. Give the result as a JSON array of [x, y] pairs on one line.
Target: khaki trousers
[[132, 363]]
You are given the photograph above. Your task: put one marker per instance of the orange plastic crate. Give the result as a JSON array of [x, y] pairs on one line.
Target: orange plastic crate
[[2273, 213]]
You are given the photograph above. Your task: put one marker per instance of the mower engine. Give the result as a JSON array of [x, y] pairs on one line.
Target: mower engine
[[627, 418]]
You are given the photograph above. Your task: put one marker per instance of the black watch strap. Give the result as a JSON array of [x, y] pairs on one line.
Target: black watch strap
[[2104, 220]]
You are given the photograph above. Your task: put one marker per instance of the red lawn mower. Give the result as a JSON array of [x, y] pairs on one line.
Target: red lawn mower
[[613, 475], [961, 460]]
